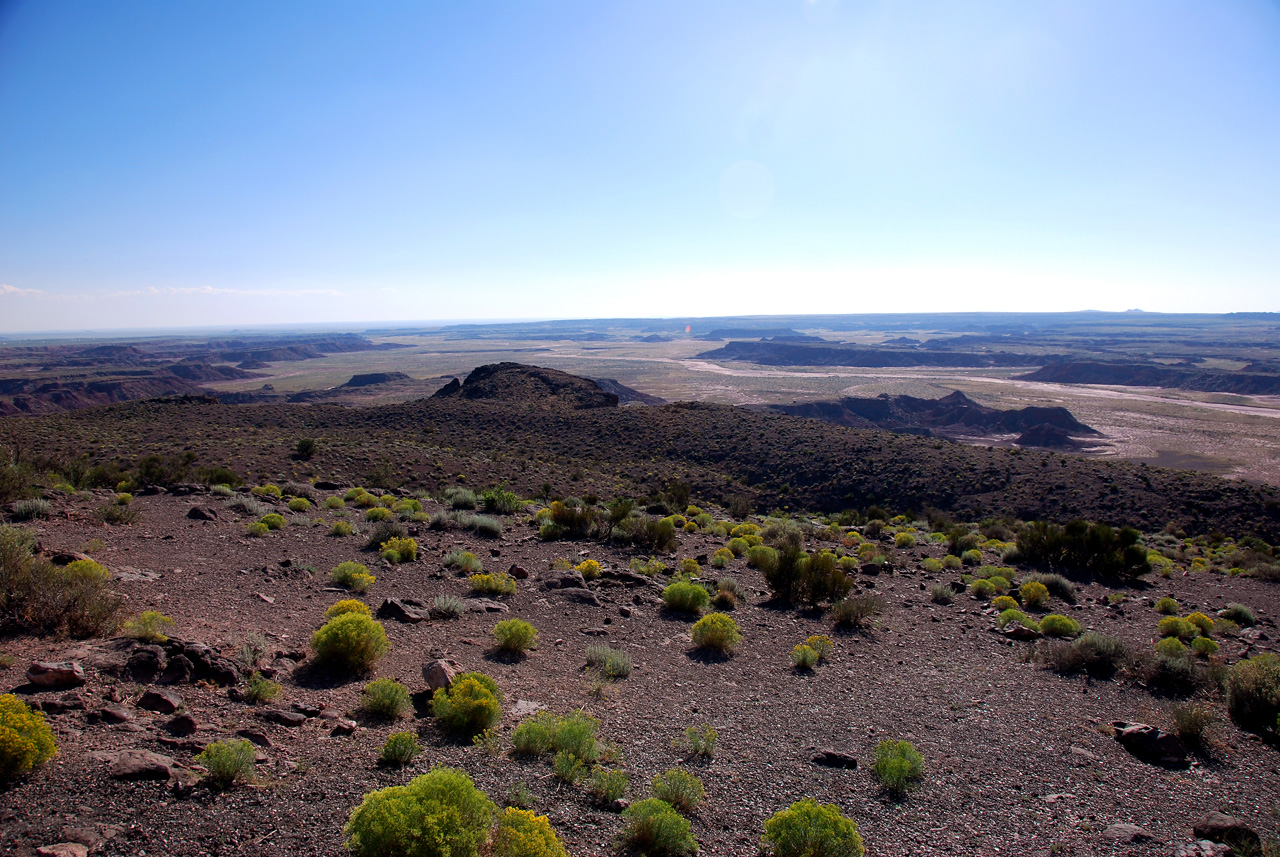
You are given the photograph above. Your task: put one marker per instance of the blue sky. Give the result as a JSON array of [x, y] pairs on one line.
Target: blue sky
[[169, 164]]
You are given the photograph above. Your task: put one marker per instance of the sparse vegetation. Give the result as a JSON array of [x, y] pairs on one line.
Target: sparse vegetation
[[515, 636], [857, 610], [400, 749], [810, 829], [499, 585], [228, 762], [260, 689], [351, 642], [435, 814], [897, 765], [472, 704], [685, 597], [1253, 692], [352, 575], [699, 741], [148, 626], [679, 788], [654, 828], [385, 697], [26, 741], [717, 632]]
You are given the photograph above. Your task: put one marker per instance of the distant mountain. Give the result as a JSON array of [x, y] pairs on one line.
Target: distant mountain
[[840, 354], [1157, 375]]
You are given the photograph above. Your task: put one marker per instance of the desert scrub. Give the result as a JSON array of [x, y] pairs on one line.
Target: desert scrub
[[1173, 626], [515, 636], [352, 575], [347, 605], [248, 506], [299, 504], [228, 762], [1167, 606], [149, 626], [679, 788], [520, 833], [545, 732], [856, 610], [897, 765], [459, 498], [42, 598], [341, 529], [256, 530], [396, 550], [810, 829], [26, 741], [1253, 692], [1059, 587], [1095, 653], [352, 643], [982, 589], [266, 491], [31, 510], [1171, 647], [717, 632], [440, 814], [493, 585], [612, 663], [400, 749], [385, 531], [588, 568], [821, 644], [447, 607], [273, 521], [378, 513], [1056, 625], [655, 829], [1004, 602], [1191, 722], [607, 785], [1204, 625], [1204, 646], [500, 501], [1017, 617], [904, 540], [261, 689], [464, 561], [385, 697], [472, 704], [567, 767], [804, 657], [1238, 613], [335, 503], [685, 597], [940, 593], [1034, 594]]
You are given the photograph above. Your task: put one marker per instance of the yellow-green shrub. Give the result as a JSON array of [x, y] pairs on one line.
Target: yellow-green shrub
[[520, 833], [352, 642], [716, 631], [810, 829], [347, 605], [397, 549], [472, 704], [588, 568], [440, 814], [352, 575], [26, 741]]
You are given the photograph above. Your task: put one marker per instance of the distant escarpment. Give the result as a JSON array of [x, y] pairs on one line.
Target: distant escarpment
[[1157, 375], [516, 382], [954, 415], [838, 354], [49, 395]]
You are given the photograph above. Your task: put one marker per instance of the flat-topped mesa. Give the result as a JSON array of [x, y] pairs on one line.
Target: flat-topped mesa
[[531, 384], [371, 378]]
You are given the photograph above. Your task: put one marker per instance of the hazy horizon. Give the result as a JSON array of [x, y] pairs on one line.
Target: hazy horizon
[[172, 166]]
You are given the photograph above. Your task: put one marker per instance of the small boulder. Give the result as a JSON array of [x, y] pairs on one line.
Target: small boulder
[[566, 580], [1228, 830], [160, 701], [485, 605], [66, 702], [342, 727], [438, 674], [1127, 833], [291, 719], [1203, 848], [519, 572], [1017, 631], [255, 737], [1150, 744], [202, 513], [179, 670], [183, 724], [145, 664], [834, 759], [581, 596], [63, 849], [141, 765], [115, 714], [404, 610], [56, 674]]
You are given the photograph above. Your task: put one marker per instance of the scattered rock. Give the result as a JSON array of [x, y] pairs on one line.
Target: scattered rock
[[525, 708], [291, 719], [565, 580], [266, 599], [342, 727], [256, 737], [63, 849], [594, 632], [619, 804], [485, 605], [625, 612], [404, 610], [1016, 631], [834, 759], [1150, 744], [115, 714], [141, 765], [1228, 830], [1127, 833], [160, 701], [1082, 756], [56, 674], [1203, 848], [66, 702], [179, 670], [581, 596], [183, 724], [519, 572], [327, 485], [202, 513], [145, 663], [438, 674]]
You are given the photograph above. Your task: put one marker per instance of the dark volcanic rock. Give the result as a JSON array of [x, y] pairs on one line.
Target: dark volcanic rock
[[371, 378], [1150, 744], [532, 384], [404, 610], [141, 765], [55, 675], [1229, 830], [160, 701]]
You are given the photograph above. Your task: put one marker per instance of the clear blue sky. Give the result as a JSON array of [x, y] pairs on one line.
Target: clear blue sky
[[192, 163]]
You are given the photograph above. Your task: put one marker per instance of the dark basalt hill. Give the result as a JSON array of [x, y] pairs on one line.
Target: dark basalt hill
[[1151, 375], [370, 378], [526, 426], [807, 354], [626, 395], [518, 383], [954, 414]]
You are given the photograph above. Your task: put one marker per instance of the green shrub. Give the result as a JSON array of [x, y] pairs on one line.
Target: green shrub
[[856, 610], [378, 513], [42, 598], [534, 735], [1056, 625], [1203, 646], [385, 697], [352, 575], [396, 550], [685, 597], [1058, 586], [1004, 602], [520, 833], [347, 605], [699, 741], [464, 561], [1172, 626], [26, 741], [613, 664], [1191, 722], [567, 767], [804, 657], [951, 562], [472, 704], [273, 521], [384, 531], [1168, 606], [1035, 595], [499, 501], [299, 504], [261, 689], [655, 829], [257, 530], [266, 491], [982, 588], [1017, 617], [941, 593], [897, 765], [1204, 625], [679, 788], [971, 557], [447, 607], [716, 631], [574, 734], [228, 762], [440, 814], [31, 510], [810, 829], [351, 642], [1253, 691], [1081, 546], [515, 636], [764, 558], [149, 626], [493, 585], [459, 498], [607, 785], [1238, 613], [334, 503], [1171, 647], [341, 529], [400, 749]]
